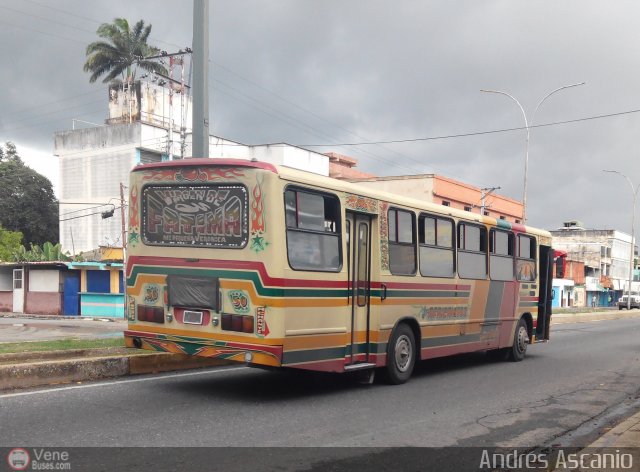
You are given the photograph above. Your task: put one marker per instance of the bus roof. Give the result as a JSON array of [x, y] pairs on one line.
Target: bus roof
[[199, 162], [310, 178]]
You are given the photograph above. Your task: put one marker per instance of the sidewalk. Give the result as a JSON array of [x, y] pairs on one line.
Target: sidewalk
[[24, 328]]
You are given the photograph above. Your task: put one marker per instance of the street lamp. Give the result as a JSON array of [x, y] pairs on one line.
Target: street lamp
[[528, 124], [634, 190]]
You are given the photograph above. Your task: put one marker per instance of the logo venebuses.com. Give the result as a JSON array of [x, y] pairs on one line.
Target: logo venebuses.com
[[18, 459], [39, 459]]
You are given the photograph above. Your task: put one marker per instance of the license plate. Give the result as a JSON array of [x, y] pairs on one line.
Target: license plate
[[193, 317]]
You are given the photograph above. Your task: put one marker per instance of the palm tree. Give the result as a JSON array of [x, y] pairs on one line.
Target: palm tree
[[122, 53]]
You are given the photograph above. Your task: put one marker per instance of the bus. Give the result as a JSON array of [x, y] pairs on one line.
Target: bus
[[276, 267]]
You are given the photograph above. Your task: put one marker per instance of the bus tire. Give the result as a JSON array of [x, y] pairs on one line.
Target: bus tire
[[520, 342], [401, 355]]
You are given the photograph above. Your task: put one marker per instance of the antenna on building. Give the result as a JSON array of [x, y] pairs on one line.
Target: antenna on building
[[485, 192]]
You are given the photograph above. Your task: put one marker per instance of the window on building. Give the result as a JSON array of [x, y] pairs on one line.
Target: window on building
[[560, 267], [485, 213], [517, 221], [472, 251], [17, 279], [501, 252], [402, 239], [502, 217], [313, 229], [437, 255], [446, 203], [467, 208]]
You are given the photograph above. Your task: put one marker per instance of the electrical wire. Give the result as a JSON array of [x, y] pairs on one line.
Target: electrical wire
[[90, 214]]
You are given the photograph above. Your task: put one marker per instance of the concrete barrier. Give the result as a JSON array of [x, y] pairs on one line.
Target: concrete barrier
[[58, 367]]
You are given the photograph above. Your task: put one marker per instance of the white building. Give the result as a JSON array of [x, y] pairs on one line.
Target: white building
[[605, 253], [94, 162]]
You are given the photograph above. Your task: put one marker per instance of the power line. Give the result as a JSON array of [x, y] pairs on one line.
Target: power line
[[33, 30], [85, 216], [477, 133]]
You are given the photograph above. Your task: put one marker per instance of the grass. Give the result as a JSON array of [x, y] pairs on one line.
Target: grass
[[60, 344]]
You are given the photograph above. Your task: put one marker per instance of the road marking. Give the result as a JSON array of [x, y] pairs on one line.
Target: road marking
[[105, 383]]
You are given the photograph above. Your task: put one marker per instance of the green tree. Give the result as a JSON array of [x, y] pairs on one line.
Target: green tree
[[48, 252], [27, 201], [9, 243], [9, 153], [122, 49]]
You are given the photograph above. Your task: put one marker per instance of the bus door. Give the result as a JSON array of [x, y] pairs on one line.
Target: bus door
[[358, 238], [545, 293]]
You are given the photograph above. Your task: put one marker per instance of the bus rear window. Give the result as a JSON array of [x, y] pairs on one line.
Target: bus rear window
[[207, 215]]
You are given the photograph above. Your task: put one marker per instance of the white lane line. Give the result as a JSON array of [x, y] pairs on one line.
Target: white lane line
[[112, 382]]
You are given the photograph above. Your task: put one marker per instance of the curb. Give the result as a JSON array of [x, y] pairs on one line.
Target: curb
[[560, 318], [39, 373], [625, 434]]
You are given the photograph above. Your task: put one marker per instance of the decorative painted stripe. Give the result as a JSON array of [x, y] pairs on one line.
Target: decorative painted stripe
[[312, 355], [192, 344], [423, 286], [494, 301], [197, 336], [503, 224], [218, 264], [449, 340], [527, 304], [335, 289], [424, 294]]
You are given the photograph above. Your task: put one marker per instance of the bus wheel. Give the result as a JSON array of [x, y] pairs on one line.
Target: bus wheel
[[401, 355], [520, 342]]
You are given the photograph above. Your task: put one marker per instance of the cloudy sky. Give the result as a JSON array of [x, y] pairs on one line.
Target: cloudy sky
[[333, 72]]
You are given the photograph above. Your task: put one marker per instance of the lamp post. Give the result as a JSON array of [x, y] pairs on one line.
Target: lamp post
[[634, 190], [528, 124]]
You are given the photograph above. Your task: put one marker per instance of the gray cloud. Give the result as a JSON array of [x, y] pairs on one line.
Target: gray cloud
[[330, 72]]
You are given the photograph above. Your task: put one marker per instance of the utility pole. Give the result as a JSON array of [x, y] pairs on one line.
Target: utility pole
[[485, 192], [200, 78]]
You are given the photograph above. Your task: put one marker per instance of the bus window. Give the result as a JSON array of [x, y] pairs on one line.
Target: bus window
[[526, 262], [472, 251], [437, 256], [313, 241], [501, 255], [363, 263], [402, 252], [203, 215]]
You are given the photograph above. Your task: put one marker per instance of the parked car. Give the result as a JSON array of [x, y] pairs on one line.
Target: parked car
[[635, 301]]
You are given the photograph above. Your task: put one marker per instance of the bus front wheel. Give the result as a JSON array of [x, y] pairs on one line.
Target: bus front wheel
[[401, 355], [520, 342]]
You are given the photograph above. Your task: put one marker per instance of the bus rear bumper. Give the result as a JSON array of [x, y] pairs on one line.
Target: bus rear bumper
[[247, 353]]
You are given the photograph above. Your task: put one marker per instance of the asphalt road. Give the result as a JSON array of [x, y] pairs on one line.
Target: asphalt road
[[562, 393]]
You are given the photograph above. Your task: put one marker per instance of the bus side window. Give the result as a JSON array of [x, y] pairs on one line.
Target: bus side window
[[437, 255], [526, 261], [472, 251], [313, 231], [402, 242], [501, 252]]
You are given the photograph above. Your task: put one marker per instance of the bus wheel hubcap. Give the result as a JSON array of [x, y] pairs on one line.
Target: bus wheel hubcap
[[523, 339], [403, 353]]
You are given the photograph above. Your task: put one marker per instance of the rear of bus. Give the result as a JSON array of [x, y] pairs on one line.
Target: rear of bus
[[196, 273]]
